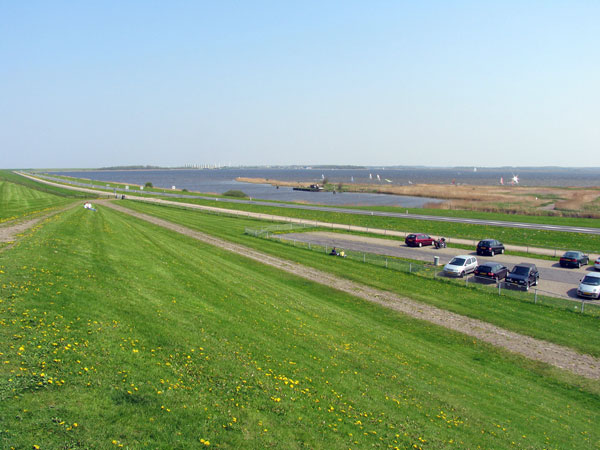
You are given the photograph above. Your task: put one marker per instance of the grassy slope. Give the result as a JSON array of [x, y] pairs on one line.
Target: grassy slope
[[18, 201], [545, 239], [119, 332], [6, 175], [533, 238], [563, 327]]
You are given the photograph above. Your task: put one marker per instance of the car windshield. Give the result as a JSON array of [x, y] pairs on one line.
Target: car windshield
[[485, 269], [520, 270], [571, 255], [592, 281], [485, 243], [458, 261]]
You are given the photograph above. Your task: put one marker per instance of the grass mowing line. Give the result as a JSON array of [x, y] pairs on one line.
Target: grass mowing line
[[134, 345], [568, 328], [559, 356], [19, 201], [12, 177]]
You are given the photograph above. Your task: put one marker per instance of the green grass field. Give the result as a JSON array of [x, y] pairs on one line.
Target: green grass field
[[119, 333], [568, 328], [7, 175], [515, 236], [19, 200]]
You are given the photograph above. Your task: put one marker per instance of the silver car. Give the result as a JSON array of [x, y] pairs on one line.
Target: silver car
[[590, 286], [461, 265]]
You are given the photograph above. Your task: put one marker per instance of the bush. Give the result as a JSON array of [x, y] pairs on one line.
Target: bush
[[148, 185], [235, 193]]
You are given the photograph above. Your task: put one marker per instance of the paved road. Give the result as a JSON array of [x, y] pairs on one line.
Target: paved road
[[498, 223], [554, 279]]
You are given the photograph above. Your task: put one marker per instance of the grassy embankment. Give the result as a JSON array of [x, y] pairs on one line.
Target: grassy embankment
[[545, 239], [543, 217], [122, 333], [21, 197], [515, 236], [568, 328]]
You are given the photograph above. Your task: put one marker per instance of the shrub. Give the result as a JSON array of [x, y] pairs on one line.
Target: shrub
[[235, 193], [148, 185]]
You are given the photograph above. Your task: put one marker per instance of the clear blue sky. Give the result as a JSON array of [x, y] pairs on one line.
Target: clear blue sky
[[90, 84]]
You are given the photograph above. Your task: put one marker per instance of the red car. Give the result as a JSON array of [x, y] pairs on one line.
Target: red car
[[418, 240]]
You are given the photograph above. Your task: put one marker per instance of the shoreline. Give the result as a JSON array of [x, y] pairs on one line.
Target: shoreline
[[569, 201]]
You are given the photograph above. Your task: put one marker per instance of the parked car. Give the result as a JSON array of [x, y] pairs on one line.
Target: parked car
[[590, 286], [492, 271], [574, 259], [418, 240], [523, 275], [461, 265], [597, 264], [490, 247]]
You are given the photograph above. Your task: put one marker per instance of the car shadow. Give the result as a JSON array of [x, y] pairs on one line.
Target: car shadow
[[482, 280]]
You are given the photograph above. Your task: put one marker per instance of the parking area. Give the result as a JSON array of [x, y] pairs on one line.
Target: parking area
[[554, 280]]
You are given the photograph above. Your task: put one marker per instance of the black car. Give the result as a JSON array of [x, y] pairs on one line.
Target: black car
[[492, 271], [523, 275], [490, 247], [574, 259]]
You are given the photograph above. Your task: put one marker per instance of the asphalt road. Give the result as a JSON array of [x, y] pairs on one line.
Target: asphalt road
[[554, 280], [498, 223]]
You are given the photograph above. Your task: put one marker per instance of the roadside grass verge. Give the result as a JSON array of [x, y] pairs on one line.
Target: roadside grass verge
[[516, 236], [569, 328], [123, 333]]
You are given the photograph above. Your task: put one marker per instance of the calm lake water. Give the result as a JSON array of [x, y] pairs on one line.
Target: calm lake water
[[222, 180]]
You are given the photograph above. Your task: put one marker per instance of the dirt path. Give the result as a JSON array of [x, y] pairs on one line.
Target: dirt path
[[535, 349], [9, 231]]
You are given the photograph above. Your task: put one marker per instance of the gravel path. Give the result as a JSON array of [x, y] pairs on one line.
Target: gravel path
[[535, 349], [9, 231]]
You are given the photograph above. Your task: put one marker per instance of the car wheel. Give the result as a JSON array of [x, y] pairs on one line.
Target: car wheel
[[501, 251], [492, 253], [578, 264], [527, 287], [462, 274], [420, 244]]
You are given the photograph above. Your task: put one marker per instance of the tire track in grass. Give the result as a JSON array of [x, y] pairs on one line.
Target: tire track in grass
[[9, 231], [556, 355]]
